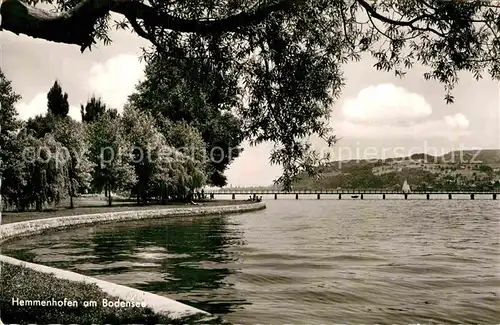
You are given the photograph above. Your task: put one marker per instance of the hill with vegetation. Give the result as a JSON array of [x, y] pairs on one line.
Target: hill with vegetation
[[456, 170]]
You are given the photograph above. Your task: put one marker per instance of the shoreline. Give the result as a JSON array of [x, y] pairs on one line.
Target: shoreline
[[16, 230], [86, 206], [161, 306]]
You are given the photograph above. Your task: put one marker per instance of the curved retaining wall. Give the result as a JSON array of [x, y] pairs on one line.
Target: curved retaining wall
[[37, 226], [159, 304]]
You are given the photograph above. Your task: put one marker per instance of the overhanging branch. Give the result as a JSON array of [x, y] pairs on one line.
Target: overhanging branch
[[410, 23], [76, 26]]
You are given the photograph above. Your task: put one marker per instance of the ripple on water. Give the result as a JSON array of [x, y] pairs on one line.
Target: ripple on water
[[157, 255], [133, 278], [304, 262], [57, 258], [105, 266]]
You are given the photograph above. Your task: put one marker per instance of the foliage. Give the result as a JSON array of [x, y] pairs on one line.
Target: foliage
[[35, 176], [40, 125], [57, 102], [290, 63], [192, 158], [161, 169], [92, 109], [485, 169], [54, 157], [145, 146], [32, 176], [191, 90], [187, 139], [72, 136], [13, 169], [107, 145], [283, 58], [8, 118]]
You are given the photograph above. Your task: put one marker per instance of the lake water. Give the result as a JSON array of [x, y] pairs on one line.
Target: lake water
[[303, 261]]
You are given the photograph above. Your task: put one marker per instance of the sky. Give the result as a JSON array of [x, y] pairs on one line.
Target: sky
[[378, 115]]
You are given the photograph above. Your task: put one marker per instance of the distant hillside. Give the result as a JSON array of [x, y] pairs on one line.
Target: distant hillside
[[456, 170], [490, 156], [485, 156]]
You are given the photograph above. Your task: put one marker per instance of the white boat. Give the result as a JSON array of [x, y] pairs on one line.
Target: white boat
[[406, 187]]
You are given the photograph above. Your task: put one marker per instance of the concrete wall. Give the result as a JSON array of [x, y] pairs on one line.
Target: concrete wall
[[158, 304]]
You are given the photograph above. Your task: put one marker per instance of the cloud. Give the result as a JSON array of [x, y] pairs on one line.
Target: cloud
[[386, 111], [115, 79], [458, 120], [38, 106], [386, 103], [449, 127]]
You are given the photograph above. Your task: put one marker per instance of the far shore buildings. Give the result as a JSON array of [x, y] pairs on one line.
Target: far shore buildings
[[465, 169]]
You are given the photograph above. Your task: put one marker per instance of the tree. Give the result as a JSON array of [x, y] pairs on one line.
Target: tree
[[140, 131], [92, 110], [8, 126], [35, 176], [287, 55], [72, 136], [486, 169], [8, 113], [193, 160], [170, 165], [40, 125], [177, 174], [190, 90], [57, 101], [8, 117], [161, 169], [187, 139], [13, 175], [112, 169], [57, 107]]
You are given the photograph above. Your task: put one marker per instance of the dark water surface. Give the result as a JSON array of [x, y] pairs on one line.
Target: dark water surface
[[303, 262]]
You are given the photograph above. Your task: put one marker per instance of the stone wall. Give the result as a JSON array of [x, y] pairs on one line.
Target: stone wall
[[158, 304], [37, 226]]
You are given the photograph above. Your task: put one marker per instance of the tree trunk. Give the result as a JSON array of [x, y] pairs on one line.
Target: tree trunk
[[109, 196], [38, 206], [71, 194]]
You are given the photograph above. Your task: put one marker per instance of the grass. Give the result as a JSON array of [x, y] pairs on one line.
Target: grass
[[18, 282], [93, 205]]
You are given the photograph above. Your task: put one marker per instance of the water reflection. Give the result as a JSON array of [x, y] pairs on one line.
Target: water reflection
[[186, 259], [303, 262]]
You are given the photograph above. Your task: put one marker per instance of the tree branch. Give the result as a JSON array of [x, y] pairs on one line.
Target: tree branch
[[410, 23], [76, 26]]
